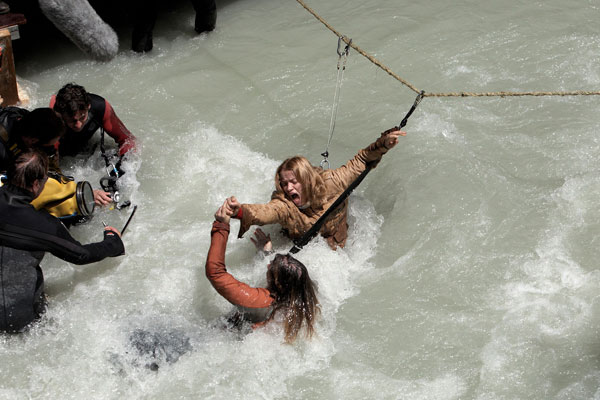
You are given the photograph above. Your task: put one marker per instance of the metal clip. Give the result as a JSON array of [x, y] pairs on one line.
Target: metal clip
[[414, 106], [347, 48], [419, 98], [325, 160], [339, 46]]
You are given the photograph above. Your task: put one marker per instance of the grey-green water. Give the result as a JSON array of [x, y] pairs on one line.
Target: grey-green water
[[471, 269]]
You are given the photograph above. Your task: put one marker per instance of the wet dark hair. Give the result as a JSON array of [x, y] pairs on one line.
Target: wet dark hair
[[70, 99], [27, 168], [42, 124], [295, 295]]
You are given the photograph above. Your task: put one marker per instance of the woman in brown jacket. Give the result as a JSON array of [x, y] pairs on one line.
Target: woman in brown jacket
[[304, 192]]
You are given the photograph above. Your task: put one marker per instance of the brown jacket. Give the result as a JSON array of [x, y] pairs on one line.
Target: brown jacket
[[296, 221]]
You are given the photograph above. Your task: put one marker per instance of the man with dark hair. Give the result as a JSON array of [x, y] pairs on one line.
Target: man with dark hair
[[21, 130], [84, 113], [25, 236]]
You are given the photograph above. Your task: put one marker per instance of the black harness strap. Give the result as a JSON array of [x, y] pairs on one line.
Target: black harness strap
[[312, 232]]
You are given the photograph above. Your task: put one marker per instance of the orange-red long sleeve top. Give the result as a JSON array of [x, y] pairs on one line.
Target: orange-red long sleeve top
[[236, 292]]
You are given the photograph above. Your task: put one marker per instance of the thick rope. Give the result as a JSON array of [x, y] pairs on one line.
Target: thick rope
[[513, 94], [451, 94]]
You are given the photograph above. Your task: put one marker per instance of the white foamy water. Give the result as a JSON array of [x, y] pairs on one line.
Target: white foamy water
[[471, 267]]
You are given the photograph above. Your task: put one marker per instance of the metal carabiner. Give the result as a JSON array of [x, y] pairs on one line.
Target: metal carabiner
[[339, 46], [343, 54], [347, 48], [325, 160], [340, 39]]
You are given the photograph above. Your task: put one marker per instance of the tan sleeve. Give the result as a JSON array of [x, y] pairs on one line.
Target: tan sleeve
[[343, 176], [274, 212]]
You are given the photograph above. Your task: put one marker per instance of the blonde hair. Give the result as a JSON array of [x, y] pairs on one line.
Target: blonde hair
[[313, 186]]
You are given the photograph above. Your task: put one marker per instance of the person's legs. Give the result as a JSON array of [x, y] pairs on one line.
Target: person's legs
[[206, 15], [21, 289], [40, 300], [143, 14]]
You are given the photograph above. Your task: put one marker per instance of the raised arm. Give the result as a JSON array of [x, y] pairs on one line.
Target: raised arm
[[225, 284], [344, 175]]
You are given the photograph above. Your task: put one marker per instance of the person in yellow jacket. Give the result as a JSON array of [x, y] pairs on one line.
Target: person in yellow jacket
[[22, 130], [304, 192]]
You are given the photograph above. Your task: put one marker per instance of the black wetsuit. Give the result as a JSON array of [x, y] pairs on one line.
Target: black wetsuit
[[101, 116], [25, 235]]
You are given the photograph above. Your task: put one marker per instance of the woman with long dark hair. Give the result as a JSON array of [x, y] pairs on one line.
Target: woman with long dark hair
[[290, 293]]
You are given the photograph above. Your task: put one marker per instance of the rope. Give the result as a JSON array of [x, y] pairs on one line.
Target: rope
[[513, 94], [450, 94], [342, 59]]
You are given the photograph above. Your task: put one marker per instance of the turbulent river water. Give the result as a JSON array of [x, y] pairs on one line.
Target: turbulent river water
[[471, 269]]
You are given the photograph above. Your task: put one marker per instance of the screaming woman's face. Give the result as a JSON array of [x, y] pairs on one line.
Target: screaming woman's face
[[291, 187]]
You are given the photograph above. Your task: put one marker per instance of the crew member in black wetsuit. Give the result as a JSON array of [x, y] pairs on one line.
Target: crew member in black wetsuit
[[25, 236], [83, 114]]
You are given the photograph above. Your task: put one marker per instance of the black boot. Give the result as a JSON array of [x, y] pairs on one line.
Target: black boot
[[206, 15], [4, 8], [141, 40]]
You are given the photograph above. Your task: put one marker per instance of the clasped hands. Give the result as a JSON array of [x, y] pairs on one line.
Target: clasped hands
[[230, 208]]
